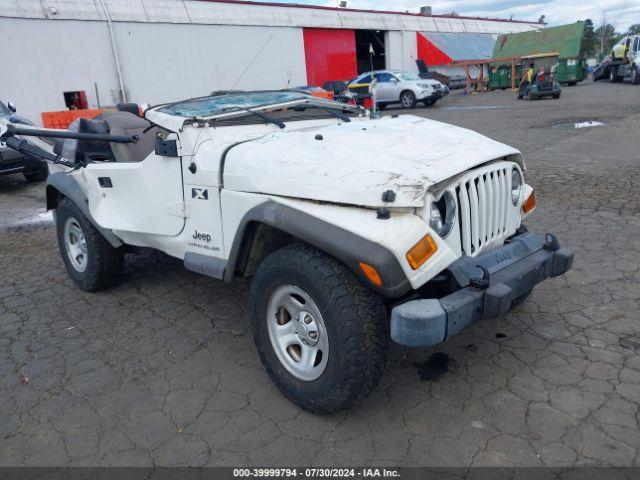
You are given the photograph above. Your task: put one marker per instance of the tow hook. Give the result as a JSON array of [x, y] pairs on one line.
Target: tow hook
[[481, 283], [551, 243]]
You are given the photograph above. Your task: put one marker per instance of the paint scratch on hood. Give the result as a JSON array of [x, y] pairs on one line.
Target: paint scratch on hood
[[354, 163]]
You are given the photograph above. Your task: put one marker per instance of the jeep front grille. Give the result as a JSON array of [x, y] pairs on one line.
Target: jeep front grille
[[484, 205]]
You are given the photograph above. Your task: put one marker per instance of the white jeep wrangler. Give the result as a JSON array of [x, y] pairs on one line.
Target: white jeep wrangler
[[355, 230]]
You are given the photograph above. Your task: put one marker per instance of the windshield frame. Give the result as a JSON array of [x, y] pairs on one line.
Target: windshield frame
[[240, 111], [4, 110]]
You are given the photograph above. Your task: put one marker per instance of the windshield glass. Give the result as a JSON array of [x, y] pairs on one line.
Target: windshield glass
[[210, 106], [406, 76], [4, 110]]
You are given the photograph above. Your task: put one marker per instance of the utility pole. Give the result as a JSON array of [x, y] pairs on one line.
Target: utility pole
[[373, 84]]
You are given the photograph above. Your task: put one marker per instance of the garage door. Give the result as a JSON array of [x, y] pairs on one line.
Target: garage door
[[330, 54]]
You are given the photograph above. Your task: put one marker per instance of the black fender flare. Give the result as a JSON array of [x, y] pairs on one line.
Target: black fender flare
[[60, 184], [347, 247]]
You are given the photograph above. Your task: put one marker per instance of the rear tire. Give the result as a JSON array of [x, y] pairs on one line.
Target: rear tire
[[408, 99], [299, 283], [613, 75], [92, 262]]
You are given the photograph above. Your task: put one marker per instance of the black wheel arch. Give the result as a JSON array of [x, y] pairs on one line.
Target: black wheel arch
[[61, 185], [270, 226], [407, 90]]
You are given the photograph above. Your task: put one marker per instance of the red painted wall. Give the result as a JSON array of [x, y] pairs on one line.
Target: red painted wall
[[431, 54], [330, 54]]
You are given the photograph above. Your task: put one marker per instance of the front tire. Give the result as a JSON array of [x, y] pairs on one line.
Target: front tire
[[635, 76], [321, 334], [408, 99], [92, 262]]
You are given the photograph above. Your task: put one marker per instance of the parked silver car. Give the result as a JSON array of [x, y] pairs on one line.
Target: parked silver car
[[395, 86], [14, 162]]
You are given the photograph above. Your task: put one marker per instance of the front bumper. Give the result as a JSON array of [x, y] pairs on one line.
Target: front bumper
[[513, 270], [436, 95]]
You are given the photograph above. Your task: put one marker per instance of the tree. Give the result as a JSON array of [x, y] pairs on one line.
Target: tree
[[589, 45], [606, 36], [634, 29]]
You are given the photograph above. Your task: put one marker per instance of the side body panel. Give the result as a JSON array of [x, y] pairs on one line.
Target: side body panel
[[143, 197]]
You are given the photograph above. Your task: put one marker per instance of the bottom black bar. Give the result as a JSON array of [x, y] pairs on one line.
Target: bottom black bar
[[224, 473]]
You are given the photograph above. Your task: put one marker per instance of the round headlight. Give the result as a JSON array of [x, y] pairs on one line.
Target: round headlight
[[516, 186], [443, 215]]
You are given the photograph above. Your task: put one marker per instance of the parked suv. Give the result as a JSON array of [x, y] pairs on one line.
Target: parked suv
[[353, 230], [395, 86], [14, 162]]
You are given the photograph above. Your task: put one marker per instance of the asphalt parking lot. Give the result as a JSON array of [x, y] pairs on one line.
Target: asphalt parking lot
[[162, 370]]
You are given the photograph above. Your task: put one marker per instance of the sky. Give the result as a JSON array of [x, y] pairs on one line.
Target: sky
[[620, 13]]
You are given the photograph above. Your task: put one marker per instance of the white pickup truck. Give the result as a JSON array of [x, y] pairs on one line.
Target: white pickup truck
[[354, 230]]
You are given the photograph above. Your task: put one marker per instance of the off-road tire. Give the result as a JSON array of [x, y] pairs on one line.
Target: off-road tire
[[37, 176], [408, 99], [355, 319], [104, 262]]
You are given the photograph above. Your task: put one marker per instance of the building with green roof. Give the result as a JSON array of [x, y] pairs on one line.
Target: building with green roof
[[561, 46]]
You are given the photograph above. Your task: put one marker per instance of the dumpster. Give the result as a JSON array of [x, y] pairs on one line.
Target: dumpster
[[571, 71], [500, 77]]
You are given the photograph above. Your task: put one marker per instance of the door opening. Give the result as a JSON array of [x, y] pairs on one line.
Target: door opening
[[365, 41], [76, 100]]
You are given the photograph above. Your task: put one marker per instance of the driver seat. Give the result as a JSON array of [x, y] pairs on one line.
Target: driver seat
[[126, 123]]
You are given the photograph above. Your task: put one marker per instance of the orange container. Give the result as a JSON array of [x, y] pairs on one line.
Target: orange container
[[64, 118]]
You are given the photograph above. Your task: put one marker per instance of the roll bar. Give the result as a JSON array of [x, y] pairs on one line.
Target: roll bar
[[96, 137], [33, 151]]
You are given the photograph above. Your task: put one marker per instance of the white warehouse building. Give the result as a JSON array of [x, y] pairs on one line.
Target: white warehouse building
[[155, 51]]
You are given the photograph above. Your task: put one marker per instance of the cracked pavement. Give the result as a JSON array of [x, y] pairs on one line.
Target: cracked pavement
[[161, 370]]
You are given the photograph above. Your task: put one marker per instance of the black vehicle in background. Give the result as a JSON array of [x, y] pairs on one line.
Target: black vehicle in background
[[14, 162], [601, 71]]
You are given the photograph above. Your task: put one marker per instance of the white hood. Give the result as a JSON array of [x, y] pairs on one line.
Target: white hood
[[354, 163]]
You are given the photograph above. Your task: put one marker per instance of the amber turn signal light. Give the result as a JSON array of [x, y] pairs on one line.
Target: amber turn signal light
[[421, 252], [529, 204], [371, 273]]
